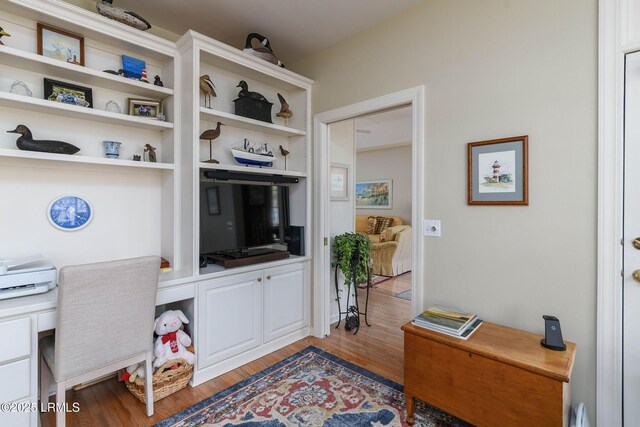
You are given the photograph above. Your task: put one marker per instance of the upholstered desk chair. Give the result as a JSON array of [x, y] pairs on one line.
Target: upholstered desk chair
[[105, 316]]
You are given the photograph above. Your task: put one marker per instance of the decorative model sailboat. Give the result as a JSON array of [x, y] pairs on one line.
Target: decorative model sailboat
[[253, 155]]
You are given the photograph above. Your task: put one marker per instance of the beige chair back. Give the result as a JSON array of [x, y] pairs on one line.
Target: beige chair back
[[105, 314]]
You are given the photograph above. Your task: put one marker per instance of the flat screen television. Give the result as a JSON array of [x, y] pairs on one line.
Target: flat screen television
[[242, 216]]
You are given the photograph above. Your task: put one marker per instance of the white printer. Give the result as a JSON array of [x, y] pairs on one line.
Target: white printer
[[26, 276]]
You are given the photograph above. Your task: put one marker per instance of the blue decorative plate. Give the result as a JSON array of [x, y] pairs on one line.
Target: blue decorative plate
[[69, 213]]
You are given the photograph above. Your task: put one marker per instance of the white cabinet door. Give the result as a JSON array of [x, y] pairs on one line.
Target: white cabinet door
[[230, 314], [286, 300]]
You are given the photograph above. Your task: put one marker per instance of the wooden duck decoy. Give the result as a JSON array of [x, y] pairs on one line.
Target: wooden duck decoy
[[244, 92], [284, 153], [264, 51], [3, 33], [157, 81], [211, 134], [106, 8], [27, 143], [208, 88], [285, 112]]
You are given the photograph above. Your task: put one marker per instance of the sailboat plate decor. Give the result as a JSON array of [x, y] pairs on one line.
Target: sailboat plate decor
[[69, 213], [67, 93], [497, 172]]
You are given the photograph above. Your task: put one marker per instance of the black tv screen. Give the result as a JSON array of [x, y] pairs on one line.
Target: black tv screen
[[239, 216]]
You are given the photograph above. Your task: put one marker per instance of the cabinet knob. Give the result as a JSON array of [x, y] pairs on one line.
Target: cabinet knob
[[260, 279], [269, 277]]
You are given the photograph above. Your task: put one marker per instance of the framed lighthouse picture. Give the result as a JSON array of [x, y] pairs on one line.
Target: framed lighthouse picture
[[497, 172]]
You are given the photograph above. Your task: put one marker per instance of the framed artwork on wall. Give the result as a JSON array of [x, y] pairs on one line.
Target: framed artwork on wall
[[68, 93], [497, 172], [339, 188], [61, 45], [376, 194]]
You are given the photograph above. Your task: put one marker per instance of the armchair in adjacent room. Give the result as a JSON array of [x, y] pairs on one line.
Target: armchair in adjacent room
[[391, 250]]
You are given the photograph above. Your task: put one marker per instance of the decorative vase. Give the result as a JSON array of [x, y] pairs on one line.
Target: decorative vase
[[111, 149]]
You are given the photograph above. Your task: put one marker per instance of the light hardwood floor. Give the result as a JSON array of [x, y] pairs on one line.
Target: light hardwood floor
[[378, 348], [394, 285]]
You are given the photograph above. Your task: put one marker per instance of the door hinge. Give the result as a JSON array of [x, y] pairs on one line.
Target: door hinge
[[326, 241]]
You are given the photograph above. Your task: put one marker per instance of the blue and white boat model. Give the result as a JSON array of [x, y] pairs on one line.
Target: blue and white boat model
[[253, 155]]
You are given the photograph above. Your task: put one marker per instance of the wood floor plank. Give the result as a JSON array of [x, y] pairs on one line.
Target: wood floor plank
[[378, 349]]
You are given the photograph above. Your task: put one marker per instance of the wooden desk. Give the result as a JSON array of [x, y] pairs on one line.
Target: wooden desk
[[498, 377]]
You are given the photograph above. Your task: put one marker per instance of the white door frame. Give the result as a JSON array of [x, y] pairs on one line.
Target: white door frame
[[322, 280], [612, 48]]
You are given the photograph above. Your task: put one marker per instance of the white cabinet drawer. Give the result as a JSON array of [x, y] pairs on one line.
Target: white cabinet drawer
[[18, 376], [16, 336], [16, 419]]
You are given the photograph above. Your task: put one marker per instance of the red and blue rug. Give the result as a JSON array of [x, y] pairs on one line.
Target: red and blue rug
[[310, 388]]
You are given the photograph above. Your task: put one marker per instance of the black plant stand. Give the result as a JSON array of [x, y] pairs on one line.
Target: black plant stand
[[353, 310]]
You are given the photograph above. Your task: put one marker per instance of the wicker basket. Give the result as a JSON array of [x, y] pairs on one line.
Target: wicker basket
[[166, 381]]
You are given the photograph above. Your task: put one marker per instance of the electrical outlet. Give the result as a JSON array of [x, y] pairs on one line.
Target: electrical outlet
[[432, 228]]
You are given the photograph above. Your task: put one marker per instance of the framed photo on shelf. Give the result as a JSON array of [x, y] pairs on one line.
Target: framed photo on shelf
[[68, 93], [145, 108], [377, 194], [339, 182], [60, 44], [213, 201], [497, 172]]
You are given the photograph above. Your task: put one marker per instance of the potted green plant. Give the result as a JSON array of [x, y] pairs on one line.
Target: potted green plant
[[351, 254]]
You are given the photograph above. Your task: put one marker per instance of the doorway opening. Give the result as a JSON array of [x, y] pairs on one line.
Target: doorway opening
[[337, 159]]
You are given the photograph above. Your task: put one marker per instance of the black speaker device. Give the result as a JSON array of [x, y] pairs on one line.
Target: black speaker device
[[552, 334], [295, 245]]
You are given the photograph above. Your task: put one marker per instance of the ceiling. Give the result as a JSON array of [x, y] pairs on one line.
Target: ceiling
[[295, 28], [384, 130]]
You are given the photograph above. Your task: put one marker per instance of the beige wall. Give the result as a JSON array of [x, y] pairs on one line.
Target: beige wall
[[491, 69], [389, 163]]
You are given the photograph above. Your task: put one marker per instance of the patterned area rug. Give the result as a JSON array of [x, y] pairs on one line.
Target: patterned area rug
[[310, 388]]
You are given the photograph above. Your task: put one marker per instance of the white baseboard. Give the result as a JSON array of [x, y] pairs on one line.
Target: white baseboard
[[205, 374]]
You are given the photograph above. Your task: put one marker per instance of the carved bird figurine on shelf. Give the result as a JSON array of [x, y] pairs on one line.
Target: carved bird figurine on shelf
[[208, 88], [284, 153], [244, 92], [27, 143], [264, 51], [157, 81], [285, 112], [211, 134], [148, 148], [3, 33], [106, 8]]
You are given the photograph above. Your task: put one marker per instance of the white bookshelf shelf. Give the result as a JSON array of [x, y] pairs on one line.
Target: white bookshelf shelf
[[79, 74], [229, 119], [65, 110], [249, 169], [35, 155]]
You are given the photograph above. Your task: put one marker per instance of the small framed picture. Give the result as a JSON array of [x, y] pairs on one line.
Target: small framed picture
[[498, 172], [213, 201], [61, 45], [145, 108], [339, 186], [377, 194], [68, 93]]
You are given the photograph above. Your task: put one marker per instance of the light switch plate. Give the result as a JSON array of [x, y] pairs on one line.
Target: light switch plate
[[432, 228]]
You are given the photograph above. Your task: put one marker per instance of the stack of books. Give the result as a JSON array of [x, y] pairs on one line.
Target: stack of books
[[448, 321]]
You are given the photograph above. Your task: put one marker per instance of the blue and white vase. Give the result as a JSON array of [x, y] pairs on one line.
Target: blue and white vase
[[111, 149]]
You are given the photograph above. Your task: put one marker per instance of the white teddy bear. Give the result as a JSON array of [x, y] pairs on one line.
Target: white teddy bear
[[172, 340]]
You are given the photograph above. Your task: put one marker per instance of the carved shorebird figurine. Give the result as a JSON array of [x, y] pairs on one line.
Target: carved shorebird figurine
[[148, 148], [106, 8], [211, 134], [284, 153], [27, 143], [285, 112], [244, 91], [3, 33], [208, 88]]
